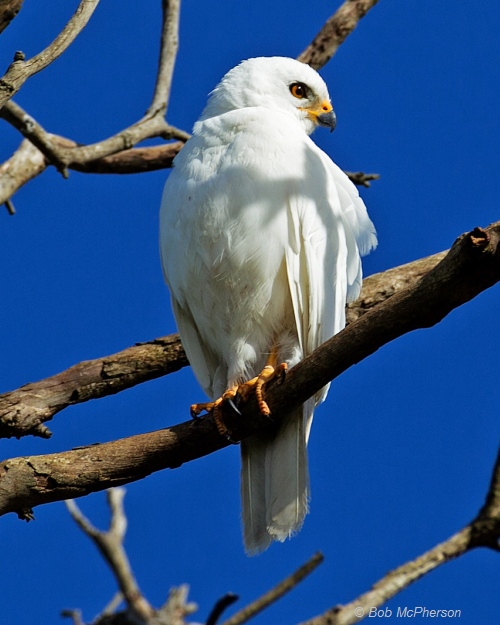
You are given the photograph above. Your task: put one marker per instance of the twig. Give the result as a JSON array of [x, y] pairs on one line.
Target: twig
[[168, 52], [10, 207], [20, 70], [335, 32], [471, 266], [275, 593], [483, 531], [222, 604], [74, 615], [360, 178], [110, 545], [177, 607]]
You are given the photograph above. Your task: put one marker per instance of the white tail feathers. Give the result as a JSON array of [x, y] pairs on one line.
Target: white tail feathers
[[275, 482]]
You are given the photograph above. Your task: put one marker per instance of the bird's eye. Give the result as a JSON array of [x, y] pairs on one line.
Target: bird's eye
[[298, 90]]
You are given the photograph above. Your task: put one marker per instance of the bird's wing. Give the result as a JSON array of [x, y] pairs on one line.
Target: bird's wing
[[328, 229], [180, 261], [360, 231]]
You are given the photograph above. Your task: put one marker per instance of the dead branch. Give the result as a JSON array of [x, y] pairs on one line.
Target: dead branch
[[28, 162], [471, 266], [360, 178], [8, 11], [335, 32], [25, 410], [20, 70], [65, 156], [110, 545], [271, 596], [483, 531], [168, 51]]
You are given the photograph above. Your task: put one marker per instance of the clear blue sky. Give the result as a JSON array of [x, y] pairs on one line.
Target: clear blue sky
[[401, 453]]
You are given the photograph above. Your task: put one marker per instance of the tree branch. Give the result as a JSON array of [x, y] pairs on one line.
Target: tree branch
[[28, 162], [335, 32], [110, 545], [272, 595], [65, 156], [20, 70], [8, 11], [471, 266], [25, 410], [168, 52]]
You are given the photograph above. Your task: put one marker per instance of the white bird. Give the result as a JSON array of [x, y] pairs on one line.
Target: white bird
[[261, 236]]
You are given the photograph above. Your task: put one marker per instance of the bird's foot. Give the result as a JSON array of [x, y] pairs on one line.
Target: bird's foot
[[257, 385], [241, 393]]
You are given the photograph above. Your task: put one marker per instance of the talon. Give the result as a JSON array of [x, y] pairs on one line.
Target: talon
[[233, 405], [281, 372]]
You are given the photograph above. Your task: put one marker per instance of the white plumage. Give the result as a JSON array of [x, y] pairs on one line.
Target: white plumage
[[261, 236]]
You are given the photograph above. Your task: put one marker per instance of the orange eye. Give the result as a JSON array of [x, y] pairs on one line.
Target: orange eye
[[298, 90]]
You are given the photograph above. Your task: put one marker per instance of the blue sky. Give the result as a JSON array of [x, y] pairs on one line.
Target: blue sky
[[401, 453]]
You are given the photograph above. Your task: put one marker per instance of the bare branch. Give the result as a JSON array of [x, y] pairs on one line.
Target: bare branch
[[177, 607], [8, 11], [222, 604], [483, 531], [168, 52], [471, 266], [25, 410], [271, 596], [110, 545], [64, 156], [20, 70], [335, 32], [361, 179], [28, 162]]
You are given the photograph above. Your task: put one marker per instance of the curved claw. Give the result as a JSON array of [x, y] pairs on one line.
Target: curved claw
[[233, 405]]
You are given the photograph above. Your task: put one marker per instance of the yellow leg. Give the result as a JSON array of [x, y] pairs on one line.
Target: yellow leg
[[255, 385]]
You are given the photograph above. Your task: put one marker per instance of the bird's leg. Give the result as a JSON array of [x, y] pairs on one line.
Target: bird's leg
[[243, 391], [256, 385]]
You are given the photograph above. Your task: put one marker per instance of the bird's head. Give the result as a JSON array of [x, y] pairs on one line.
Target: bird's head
[[277, 83]]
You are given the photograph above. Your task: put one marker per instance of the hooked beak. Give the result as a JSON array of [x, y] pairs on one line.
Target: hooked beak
[[328, 119], [323, 114]]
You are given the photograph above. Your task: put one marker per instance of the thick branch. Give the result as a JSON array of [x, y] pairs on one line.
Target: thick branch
[[20, 70], [23, 411], [335, 32], [471, 266]]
